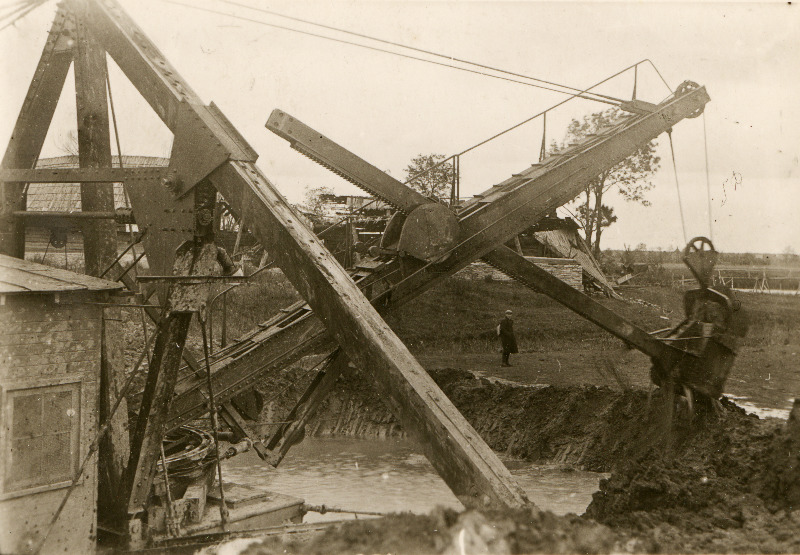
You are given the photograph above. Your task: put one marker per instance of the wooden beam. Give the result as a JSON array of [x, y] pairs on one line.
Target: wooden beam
[[114, 445], [149, 431], [465, 462], [183, 302], [531, 275], [30, 131], [471, 469], [82, 175], [94, 141]]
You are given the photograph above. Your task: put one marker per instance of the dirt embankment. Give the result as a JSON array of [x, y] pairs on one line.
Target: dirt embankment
[[722, 483]]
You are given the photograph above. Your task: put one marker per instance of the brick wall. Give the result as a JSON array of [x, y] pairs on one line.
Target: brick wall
[[49, 352], [565, 269]]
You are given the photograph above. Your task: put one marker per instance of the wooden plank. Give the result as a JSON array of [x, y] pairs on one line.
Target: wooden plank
[[359, 172], [114, 445], [94, 141], [81, 175], [6, 287], [84, 281], [558, 240], [457, 452], [531, 275], [36, 282]]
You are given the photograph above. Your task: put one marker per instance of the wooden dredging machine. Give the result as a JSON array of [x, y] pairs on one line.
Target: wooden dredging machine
[[340, 317]]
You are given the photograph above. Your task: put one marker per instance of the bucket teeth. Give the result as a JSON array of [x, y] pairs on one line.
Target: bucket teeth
[[324, 164]]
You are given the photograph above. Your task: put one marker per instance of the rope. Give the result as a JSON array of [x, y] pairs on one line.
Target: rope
[[614, 102], [708, 182], [677, 187]]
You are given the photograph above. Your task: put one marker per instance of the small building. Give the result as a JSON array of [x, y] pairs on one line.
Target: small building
[[59, 236], [51, 324]]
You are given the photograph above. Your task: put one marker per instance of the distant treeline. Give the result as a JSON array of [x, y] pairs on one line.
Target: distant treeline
[[641, 255]]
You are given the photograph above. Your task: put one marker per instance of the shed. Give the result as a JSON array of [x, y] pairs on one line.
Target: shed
[[66, 197], [51, 325]]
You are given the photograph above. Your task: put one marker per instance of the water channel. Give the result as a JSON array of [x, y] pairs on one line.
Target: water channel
[[393, 476]]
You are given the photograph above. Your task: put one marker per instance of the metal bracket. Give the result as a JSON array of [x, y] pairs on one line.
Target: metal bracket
[[204, 140]]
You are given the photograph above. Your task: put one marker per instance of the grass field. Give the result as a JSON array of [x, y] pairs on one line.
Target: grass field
[[461, 315], [453, 325]]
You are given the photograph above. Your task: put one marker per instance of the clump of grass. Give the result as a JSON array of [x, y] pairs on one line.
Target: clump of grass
[[774, 319], [255, 301]]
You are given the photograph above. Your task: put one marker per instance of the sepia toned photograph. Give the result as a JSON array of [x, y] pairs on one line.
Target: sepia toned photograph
[[399, 276]]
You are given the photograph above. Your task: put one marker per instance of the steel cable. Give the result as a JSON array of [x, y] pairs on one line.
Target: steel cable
[[376, 49], [708, 182], [421, 50], [677, 187]]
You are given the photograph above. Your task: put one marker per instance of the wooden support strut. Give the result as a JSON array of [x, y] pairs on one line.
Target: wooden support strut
[[183, 301], [94, 141], [466, 463], [31, 128], [268, 353]]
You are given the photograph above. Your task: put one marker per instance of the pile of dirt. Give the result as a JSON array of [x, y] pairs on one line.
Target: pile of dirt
[[445, 531], [721, 482], [727, 485]]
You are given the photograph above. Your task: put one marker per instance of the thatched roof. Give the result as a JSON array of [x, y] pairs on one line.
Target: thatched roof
[[66, 197]]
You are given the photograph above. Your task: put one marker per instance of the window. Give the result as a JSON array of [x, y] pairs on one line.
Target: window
[[43, 437]]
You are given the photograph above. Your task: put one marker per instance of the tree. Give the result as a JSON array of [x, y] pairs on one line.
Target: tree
[[316, 198], [434, 183], [632, 177]]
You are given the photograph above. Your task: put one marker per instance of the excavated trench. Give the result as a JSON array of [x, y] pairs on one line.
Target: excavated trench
[[727, 482]]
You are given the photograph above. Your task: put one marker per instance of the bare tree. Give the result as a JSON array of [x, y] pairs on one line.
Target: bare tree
[[632, 177]]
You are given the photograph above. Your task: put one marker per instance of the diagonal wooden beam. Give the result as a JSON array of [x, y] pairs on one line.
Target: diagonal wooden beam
[[459, 455], [466, 463], [31, 128]]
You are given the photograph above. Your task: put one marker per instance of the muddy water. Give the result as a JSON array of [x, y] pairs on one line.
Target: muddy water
[[392, 476], [761, 411]]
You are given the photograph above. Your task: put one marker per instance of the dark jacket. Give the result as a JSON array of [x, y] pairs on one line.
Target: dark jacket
[[507, 338]]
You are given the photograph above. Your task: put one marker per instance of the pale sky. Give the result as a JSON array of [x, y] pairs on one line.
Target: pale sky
[[388, 109]]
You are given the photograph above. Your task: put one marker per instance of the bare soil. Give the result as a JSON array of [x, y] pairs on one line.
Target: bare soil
[[726, 482], [577, 396], [717, 483]]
